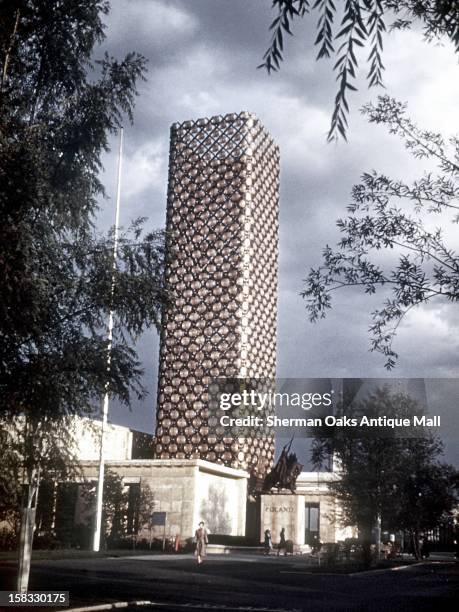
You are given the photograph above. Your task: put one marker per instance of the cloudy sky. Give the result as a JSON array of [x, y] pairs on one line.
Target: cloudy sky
[[202, 57]]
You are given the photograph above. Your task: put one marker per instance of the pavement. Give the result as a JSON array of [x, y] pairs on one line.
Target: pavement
[[239, 583]]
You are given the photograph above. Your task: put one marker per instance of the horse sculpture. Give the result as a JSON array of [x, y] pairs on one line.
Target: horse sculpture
[[285, 472]]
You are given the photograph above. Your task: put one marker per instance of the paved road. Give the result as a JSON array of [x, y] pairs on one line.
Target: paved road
[[241, 583]]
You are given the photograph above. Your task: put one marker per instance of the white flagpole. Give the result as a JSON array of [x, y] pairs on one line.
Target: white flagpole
[[100, 481]]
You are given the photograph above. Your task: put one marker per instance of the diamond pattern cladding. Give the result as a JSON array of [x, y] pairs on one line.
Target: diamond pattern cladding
[[222, 237]]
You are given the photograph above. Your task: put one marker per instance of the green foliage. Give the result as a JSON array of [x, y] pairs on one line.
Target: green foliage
[[425, 496], [10, 480], [145, 507], [401, 480], [114, 508], [123, 513], [57, 111], [394, 215], [114, 505], [35, 450], [343, 28]]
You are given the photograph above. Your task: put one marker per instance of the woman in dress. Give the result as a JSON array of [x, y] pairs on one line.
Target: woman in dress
[[268, 542], [201, 541], [282, 543]]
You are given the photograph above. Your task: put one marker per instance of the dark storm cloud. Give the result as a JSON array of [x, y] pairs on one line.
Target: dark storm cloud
[[202, 57]]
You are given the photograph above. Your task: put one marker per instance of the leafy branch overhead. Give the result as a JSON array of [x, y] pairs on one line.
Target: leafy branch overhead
[[391, 215], [344, 27]]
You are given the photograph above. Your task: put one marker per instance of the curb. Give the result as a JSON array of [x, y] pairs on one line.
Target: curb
[[113, 606], [387, 569], [189, 606]]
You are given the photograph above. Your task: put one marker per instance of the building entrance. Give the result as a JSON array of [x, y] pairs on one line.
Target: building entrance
[[312, 523]]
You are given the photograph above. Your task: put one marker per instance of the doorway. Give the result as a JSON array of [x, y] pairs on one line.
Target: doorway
[[312, 523]]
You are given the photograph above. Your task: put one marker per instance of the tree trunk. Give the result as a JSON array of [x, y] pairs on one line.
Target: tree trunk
[[415, 544], [9, 51], [27, 530], [378, 537], [25, 548], [366, 545]]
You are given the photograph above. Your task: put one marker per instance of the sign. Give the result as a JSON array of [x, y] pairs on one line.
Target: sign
[[280, 509], [158, 518]]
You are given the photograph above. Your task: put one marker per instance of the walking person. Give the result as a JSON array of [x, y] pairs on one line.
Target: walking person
[[201, 542], [425, 548], [268, 542], [282, 542]]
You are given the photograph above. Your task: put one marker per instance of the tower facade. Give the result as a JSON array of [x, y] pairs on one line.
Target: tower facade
[[221, 277]]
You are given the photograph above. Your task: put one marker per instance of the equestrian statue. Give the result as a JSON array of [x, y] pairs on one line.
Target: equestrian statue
[[285, 473]]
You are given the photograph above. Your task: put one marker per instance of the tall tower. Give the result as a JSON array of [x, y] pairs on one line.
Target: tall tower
[[221, 276]]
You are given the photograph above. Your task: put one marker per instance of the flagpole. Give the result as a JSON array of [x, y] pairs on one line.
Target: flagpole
[[100, 480]]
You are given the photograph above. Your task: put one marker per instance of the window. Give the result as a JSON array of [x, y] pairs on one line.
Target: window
[[312, 523]]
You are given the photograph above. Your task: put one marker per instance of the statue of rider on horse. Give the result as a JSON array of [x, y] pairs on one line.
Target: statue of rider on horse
[[285, 472]]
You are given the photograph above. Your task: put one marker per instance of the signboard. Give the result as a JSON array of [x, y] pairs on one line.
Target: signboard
[[158, 518]]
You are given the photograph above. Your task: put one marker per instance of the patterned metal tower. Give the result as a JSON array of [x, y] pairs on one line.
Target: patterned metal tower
[[221, 274]]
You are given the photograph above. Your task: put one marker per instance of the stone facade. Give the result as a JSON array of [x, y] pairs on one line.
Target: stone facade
[[188, 491], [309, 515], [283, 512], [221, 276]]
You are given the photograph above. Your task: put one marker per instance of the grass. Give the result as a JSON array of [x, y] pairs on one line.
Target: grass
[[72, 553]]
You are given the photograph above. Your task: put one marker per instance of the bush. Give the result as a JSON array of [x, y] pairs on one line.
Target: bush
[[189, 545], [230, 540], [8, 539], [46, 541], [120, 543]]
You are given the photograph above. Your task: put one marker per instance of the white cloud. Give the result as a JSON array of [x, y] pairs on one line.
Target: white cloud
[[425, 342], [426, 75], [144, 168], [159, 20]]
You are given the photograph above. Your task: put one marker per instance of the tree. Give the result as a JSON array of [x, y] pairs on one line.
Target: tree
[[115, 507], [145, 506], [424, 497], [27, 444], [124, 513], [394, 215], [57, 111], [362, 24], [10, 481], [380, 474]]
